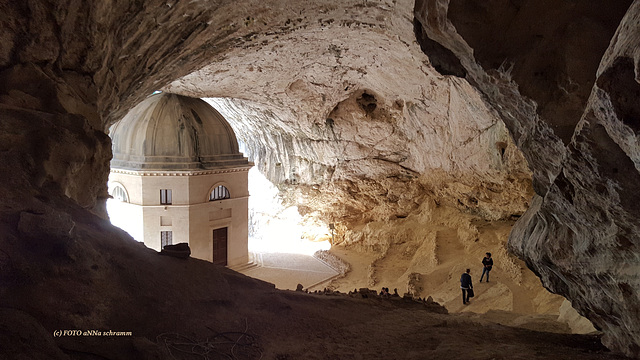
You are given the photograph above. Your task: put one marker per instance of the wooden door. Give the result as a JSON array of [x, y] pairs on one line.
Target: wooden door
[[220, 246]]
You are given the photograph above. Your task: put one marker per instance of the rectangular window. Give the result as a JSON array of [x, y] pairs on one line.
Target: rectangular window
[[166, 238], [165, 196]]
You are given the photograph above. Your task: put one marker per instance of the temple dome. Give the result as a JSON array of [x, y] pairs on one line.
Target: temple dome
[[173, 132]]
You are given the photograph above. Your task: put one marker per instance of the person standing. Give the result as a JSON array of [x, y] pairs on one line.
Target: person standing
[[466, 286], [487, 263]]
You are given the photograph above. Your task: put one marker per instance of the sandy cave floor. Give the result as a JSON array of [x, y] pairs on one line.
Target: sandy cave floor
[[500, 301], [513, 287], [513, 297]]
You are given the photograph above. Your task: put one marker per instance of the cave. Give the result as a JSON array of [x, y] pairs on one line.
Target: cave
[[415, 129]]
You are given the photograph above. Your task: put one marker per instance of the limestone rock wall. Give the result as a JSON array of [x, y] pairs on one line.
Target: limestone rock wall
[[71, 68], [581, 233], [323, 69], [49, 146], [351, 121]]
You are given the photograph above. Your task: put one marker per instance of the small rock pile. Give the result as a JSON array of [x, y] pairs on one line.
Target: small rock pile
[[366, 293]]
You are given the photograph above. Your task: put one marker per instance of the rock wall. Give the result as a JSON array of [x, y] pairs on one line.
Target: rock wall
[[322, 69], [351, 121], [580, 234], [71, 68]]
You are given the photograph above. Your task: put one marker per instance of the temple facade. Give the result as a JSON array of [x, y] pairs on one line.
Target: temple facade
[[177, 176]]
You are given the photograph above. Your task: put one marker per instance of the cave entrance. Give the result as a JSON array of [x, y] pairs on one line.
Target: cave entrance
[[282, 245], [278, 228]]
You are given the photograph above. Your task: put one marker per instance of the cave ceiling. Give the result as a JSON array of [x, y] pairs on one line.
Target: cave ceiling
[[343, 111]]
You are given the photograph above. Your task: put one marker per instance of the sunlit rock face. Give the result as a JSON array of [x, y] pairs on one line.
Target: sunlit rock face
[[351, 121], [357, 128], [349, 115], [564, 88]]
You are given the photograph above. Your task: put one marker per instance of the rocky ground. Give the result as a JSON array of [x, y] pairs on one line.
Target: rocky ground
[[91, 276], [94, 277]]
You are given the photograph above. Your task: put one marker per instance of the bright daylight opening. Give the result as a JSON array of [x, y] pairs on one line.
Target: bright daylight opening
[[274, 228], [125, 215]]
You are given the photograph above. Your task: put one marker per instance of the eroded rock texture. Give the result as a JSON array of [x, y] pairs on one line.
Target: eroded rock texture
[[340, 107], [567, 89], [350, 120], [358, 119]]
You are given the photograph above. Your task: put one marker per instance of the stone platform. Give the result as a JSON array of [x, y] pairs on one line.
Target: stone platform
[[286, 271]]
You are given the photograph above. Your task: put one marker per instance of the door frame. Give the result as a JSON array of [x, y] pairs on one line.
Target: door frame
[[213, 245]]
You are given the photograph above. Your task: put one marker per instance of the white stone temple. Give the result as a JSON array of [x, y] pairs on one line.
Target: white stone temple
[[177, 177]]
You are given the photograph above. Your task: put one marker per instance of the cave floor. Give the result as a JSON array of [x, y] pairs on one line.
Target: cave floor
[[287, 270], [514, 297], [513, 287], [174, 308]]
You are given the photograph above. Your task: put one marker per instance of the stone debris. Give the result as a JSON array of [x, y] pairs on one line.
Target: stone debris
[[408, 299], [413, 284]]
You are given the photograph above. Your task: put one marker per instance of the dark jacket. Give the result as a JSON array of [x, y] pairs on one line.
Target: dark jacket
[[487, 262], [465, 281]]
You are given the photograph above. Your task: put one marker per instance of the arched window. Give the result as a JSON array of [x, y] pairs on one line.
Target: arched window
[[219, 193], [119, 193]]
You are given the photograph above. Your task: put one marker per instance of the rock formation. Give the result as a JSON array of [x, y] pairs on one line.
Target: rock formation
[[568, 105], [355, 123]]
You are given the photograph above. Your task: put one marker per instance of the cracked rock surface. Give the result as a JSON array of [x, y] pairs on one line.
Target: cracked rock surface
[[350, 120], [570, 112]]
